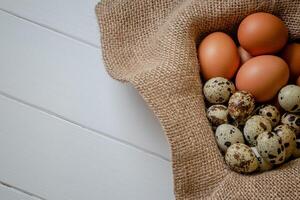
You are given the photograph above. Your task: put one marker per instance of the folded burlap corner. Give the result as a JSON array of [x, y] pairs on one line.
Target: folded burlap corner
[[152, 44]]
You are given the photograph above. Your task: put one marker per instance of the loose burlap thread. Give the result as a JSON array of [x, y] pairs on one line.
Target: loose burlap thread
[[152, 44]]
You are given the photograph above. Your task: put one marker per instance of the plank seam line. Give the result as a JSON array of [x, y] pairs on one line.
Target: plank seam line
[[61, 33], [21, 190], [89, 129]]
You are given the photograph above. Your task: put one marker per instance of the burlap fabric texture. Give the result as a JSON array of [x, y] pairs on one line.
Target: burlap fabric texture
[[152, 44]]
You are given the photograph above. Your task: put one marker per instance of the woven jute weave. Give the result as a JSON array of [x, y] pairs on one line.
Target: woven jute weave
[[152, 44]]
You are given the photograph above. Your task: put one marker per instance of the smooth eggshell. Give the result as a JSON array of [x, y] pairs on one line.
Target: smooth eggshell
[[244, 55], [291, 55], [262, 33], [262, 76], [218, 56], [298, 81]]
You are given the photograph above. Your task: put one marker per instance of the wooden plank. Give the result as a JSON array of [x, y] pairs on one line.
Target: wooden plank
[[58, 160], [67, 78], [74, 18], [7, 193]]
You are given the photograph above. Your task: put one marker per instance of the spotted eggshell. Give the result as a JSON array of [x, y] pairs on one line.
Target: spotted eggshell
[[296, 152], [263, 164], [270, 147], [289, 98], [270, 112], [218, 90], [254, 126], [241, 158], [240, 105], [288, 139], [227, 135], [293, 121], [217, 115]]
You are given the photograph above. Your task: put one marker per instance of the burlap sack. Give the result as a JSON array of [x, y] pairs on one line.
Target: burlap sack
[[152, 44]]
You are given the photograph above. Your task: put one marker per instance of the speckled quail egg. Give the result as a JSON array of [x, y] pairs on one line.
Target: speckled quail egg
[[218, 90], [296, 152], [241, 158], [289, 98], [288, 139], [254, 126], [293, 121], [270, 147], [227, 135], [263, 164], [217, 115], [270, 112], [240, 105]]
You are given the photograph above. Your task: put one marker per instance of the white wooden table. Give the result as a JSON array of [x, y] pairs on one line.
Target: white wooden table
[[67, 130]]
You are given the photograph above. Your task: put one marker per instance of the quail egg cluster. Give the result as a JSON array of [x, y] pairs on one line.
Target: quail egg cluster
[[253, 136]]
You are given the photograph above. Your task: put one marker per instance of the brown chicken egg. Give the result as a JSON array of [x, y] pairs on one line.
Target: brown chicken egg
[[291, 55], [218, 56], [298, 81], [262, 76], [262, 33], [244, 55]]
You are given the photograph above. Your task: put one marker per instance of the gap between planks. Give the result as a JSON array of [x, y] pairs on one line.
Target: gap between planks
[[22, 191], [49, 28], [94, 131], [60, 116]]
